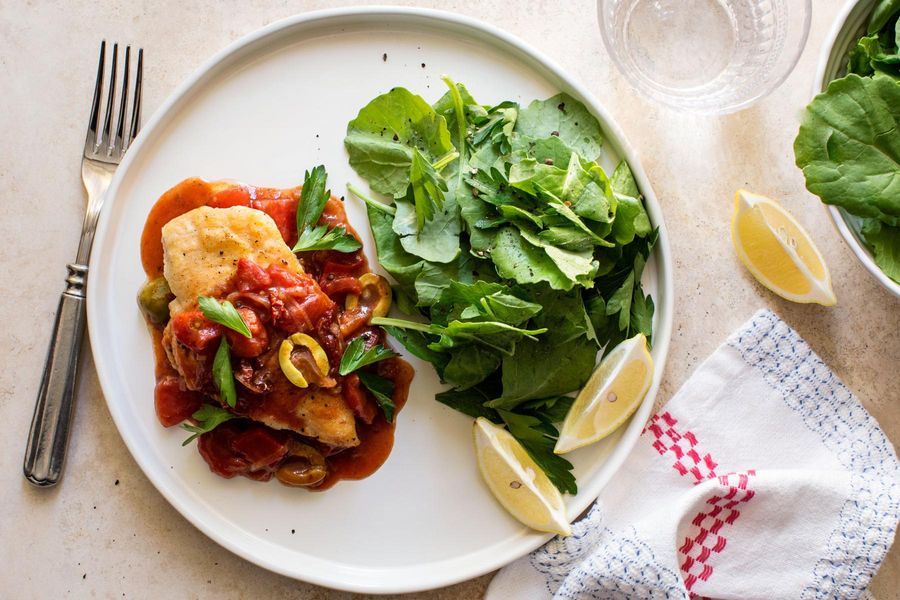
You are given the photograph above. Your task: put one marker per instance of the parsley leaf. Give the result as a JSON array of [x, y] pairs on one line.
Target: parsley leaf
[[382, 389], [208, 417], [223, 376], [356, 355], [313, 198], [322, 238], [223, 313], [538, 437]]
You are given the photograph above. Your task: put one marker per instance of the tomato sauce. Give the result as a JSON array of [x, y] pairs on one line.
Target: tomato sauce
[[336, 274]]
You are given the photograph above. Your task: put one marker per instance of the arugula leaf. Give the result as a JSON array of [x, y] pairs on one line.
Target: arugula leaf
[[577, 267], [566, 118], [322, 238], [356, 356], [567, 238], [538, 438], [563, 315], [417, 343], [382, 389], [491, 301], [223, 313], [223, 376], [620, 302], [470, 366], [437, 240], [381, 138], [848, 148], [427, 186], [631, 216], [539, 370], [517, 259], [470, 402], [552, 410], [208, 417], [446, 106], [493, 334]]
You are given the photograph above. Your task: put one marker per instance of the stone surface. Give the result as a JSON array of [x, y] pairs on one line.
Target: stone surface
[[106, 532]]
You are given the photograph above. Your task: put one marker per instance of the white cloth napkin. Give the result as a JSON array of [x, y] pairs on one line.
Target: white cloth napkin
[[763, 477]]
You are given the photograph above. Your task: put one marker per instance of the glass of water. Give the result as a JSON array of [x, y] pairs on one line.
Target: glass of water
[[708, 56]]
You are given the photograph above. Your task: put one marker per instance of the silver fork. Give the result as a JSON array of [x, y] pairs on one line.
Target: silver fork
[[47, 440]]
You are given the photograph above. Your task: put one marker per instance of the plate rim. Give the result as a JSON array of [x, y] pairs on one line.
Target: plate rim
[[444, 572]]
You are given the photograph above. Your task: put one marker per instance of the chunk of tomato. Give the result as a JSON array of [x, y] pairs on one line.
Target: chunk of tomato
[[256, 344], [261, 446], [358, 400], [281, 277], [195, 331], [174, 404], [250, 277]]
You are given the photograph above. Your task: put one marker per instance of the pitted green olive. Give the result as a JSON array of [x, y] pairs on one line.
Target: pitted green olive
[[375, 296], [154, 300], [305, 467]]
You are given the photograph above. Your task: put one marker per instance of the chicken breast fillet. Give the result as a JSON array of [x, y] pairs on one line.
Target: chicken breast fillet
[[201, 251], [202, 248]]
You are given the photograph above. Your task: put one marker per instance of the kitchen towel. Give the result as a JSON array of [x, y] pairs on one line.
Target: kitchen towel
[[763, 477]]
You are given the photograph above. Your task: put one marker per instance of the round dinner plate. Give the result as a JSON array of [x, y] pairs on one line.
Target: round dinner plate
[[262, 111]]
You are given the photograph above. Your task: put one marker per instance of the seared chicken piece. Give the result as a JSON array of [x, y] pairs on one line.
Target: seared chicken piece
[[201, 250]]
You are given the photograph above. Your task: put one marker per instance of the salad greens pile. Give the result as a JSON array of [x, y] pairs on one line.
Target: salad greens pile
[[849, 140], [519, 253]]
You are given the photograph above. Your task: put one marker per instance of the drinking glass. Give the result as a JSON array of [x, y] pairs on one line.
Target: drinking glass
[[708, 56]]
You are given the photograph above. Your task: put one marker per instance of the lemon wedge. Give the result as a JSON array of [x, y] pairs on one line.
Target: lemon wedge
[[517, 482], [610, 396], [778, 251]]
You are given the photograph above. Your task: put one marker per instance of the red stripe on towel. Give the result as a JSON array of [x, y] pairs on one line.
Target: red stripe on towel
[[706, 536]]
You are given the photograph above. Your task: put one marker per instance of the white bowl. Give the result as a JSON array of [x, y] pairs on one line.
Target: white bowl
[[848, 28]]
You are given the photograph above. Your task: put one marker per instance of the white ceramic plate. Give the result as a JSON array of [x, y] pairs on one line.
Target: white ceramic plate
[[848, 28], [261, 111]]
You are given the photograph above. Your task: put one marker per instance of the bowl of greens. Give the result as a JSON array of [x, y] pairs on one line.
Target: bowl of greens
[[848, 145]]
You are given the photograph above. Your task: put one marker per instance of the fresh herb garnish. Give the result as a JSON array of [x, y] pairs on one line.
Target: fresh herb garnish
[[382, 389], [356, 356], [223, 313], [322, 238], [313, 198], [223, 376], [208, 417]]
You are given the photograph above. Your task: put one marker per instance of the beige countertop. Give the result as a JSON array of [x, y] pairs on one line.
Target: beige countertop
[[106, 532]]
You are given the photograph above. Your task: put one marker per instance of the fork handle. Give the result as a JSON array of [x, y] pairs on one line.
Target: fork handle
[[49, 435]]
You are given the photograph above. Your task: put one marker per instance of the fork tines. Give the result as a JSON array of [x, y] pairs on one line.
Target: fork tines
[[101, 143]]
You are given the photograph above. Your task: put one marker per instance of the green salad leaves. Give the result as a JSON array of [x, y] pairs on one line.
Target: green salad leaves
[[517, 257], [849, 140]]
